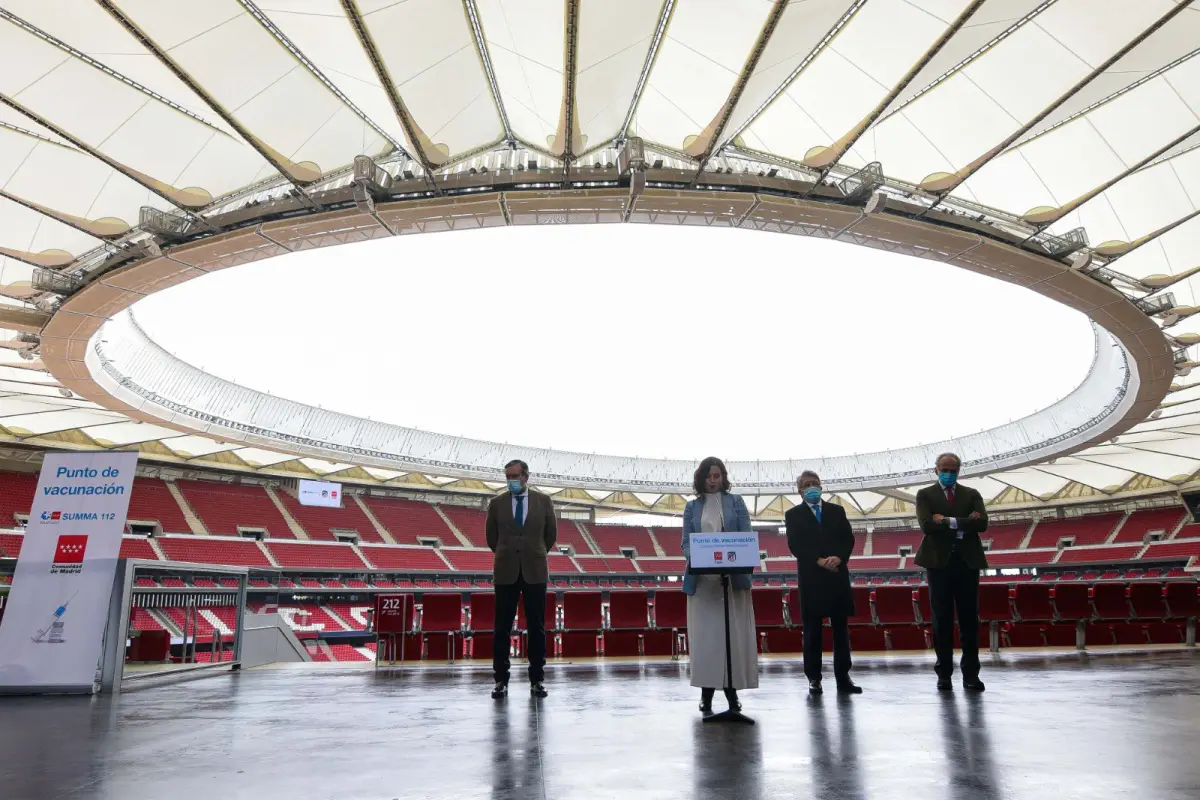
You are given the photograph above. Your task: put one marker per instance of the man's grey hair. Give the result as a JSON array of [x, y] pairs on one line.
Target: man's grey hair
[[955, 456], [808, 473]]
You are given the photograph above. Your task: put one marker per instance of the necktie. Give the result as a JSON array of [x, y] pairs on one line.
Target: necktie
[[950, 495], [520, 515], [817, 512]]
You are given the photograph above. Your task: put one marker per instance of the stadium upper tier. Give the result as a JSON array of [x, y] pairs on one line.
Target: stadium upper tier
[[1048, 144]]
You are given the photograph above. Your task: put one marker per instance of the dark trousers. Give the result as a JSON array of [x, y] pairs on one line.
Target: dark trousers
[[955, 588], [533, 595], [812, 647]]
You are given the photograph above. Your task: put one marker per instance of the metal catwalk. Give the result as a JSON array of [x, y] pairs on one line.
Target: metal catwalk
[[1082, 725]]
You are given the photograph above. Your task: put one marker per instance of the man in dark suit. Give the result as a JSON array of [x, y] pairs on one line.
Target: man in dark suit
[[952, 516], [820, 538], [521, 530]]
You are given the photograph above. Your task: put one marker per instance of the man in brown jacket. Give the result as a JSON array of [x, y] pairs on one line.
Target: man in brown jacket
[[521, 530]]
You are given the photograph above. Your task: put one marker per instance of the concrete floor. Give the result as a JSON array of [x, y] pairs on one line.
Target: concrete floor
[[1098, 726]]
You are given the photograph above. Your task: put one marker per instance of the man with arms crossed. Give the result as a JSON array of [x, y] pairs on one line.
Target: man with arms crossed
[[952, 516], [521, 530]]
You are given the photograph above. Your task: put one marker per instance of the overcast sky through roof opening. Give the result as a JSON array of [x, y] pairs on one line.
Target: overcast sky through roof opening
[[634, 340]]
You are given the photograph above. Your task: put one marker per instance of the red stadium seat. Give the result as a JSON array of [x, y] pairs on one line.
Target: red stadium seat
[[441, 612], [923, 606], [1110, 600], [1032, 601], [1097, 633], [1183, 599], [862, 607], [894, 604], [483, 611], [437, 646], [660, 643], [794, 612], [581, 611], [768, 607], [1165, 632], [579, 644], [906, 637], [670, 609], [1071, 601], [993, 603], [1061, 634], [867, 637], [622, 643], [781, 640], [1025, 634], [628, 610], [481, 646], [1147, 600], [1130, 633]]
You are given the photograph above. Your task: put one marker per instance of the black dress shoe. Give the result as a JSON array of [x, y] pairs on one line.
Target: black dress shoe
[[537, 689], [499, 691], [732, 698], [944, 685], [706, 698], [848, 687], [814, 687], [973, 684]]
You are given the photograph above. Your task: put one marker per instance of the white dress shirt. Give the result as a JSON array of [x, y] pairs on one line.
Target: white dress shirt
[[524, 494], [953, 520]]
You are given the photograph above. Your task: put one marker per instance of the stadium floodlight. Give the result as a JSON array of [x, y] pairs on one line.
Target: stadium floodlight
[[371, 176], [1057, 245], [862, 184], [169, 226], [1156, 305], [632, 157], [51, 280], [876, 203]]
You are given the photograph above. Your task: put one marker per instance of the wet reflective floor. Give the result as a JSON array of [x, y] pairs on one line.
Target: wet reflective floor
[[1080, 726]]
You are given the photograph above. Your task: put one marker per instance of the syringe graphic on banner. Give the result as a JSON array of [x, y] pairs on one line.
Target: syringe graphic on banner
[[55, 629]]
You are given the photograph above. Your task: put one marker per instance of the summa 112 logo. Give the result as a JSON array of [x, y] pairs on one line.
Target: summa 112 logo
[[51, 516], [68, 555]]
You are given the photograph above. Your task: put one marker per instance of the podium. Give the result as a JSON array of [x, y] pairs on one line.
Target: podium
[[724, 554]]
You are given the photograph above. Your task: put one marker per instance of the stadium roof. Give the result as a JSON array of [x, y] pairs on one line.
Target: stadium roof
[[1052, 144]]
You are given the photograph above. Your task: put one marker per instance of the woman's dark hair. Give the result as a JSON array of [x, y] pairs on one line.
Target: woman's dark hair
[[701, 476]]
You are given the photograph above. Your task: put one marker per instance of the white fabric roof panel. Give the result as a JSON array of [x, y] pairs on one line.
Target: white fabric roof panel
[[254, 78], [320, 30], [1081, 156], [527, 47], [698, 63], [849, 78], [124, 123], [614, 41], [429, 50]]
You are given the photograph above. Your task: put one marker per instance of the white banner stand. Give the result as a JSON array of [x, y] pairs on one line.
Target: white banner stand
[[51, 638]]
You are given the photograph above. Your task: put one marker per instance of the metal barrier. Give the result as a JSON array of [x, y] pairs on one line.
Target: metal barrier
[[194, 600]]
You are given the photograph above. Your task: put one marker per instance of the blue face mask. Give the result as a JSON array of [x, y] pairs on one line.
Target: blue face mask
[[514, 486], [812, 495], [947, 479]]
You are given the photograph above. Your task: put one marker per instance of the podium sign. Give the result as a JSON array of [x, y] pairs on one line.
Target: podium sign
[[393, 613], [53, 630], [724, 552]]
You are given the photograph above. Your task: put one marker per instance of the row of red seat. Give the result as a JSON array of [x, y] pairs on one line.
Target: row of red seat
[[888, 618]]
